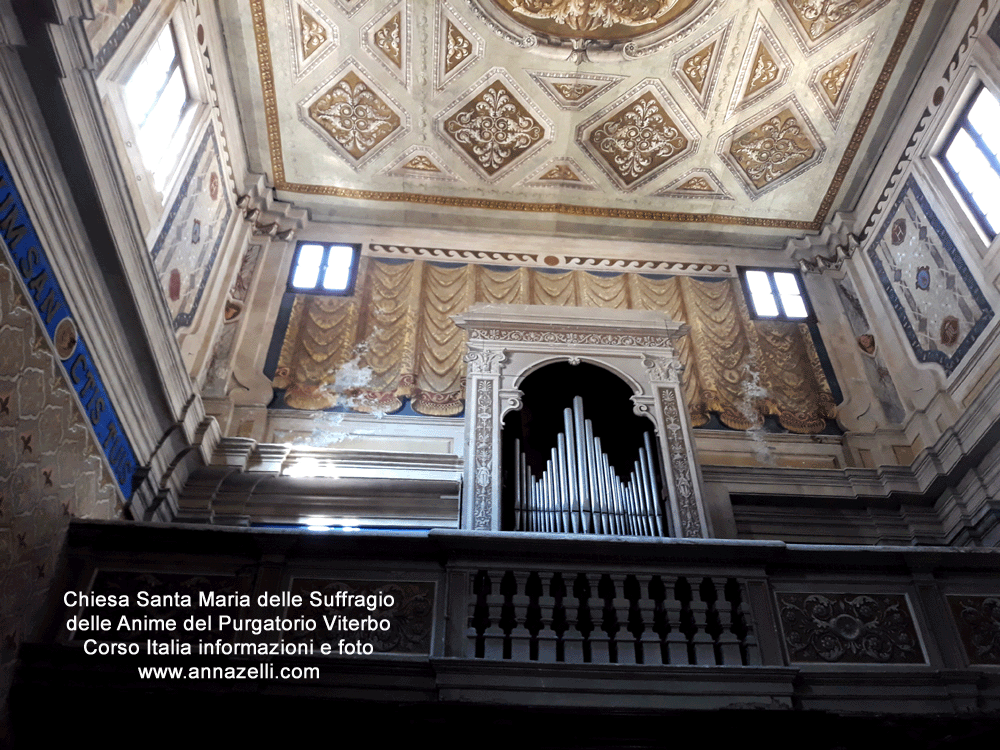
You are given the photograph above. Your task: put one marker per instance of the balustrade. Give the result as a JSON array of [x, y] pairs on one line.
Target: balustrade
[[609, 618]]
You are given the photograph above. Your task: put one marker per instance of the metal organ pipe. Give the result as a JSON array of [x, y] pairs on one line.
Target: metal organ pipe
[[579, 491]]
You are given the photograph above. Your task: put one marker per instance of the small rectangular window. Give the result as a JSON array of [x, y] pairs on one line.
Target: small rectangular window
[[324, 268], [775, 295], [158, 103], [971, 156]]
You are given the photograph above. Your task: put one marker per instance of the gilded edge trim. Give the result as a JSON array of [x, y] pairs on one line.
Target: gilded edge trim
[[278, 168], [267, 89]]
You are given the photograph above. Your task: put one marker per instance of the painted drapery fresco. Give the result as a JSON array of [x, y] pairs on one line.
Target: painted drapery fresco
[[405, 345]]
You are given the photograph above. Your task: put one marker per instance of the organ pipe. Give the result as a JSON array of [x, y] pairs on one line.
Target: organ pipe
[[580, 492]]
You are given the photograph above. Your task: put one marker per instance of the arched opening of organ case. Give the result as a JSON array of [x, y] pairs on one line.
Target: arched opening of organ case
[[578, 459]]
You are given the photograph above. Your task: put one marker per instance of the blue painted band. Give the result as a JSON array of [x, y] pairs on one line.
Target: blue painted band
[[21, 240]]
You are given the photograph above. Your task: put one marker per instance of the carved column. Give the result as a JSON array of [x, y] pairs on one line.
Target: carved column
[[481, 494]]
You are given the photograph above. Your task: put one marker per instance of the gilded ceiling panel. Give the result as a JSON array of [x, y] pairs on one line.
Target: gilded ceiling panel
[[696, 67], [697, 183], [818, 22], [494, 127], [313, 35], [456, 46], [387, 39], [764, 69], [421, 163], [355, 118], [638, 136], [766, 152], [560, 173], [834, 80], [574, 90]]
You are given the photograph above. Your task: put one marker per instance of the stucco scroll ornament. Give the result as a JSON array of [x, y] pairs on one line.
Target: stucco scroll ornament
[[496, 130], [485, 362], [596, 14], [663, 369], [642, 135]]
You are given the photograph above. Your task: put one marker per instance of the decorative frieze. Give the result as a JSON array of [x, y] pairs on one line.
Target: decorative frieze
[[978, 621], [848, 628]]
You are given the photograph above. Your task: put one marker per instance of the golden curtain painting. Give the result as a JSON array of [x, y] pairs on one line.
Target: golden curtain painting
[[395, 339]]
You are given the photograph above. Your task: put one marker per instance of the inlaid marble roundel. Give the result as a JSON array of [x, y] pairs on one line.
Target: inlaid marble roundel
[[608, 20]]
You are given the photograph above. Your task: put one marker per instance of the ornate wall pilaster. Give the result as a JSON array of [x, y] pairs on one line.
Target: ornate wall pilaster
[[481, 498]]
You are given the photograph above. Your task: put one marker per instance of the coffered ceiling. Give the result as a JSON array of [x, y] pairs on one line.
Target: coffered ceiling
[[718, 121]]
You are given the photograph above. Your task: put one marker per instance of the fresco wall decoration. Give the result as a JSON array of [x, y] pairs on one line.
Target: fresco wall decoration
[[876, 371], [937, 300], [185, 251], [395, 340]]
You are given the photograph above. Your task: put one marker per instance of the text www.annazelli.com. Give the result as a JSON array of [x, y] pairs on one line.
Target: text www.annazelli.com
[[259, 672]]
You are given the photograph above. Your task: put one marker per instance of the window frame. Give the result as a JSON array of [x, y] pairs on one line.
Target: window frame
[[319, 289], [151, 202], [962, 123], [810, 316]]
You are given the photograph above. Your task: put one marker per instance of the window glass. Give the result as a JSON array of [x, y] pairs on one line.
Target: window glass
[[306, 271], [324, 268], [340, 259], [156, 100], [775, 294], [971, 158], [761, 294]]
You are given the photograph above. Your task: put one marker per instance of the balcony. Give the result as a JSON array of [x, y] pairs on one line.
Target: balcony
[[517, 622]]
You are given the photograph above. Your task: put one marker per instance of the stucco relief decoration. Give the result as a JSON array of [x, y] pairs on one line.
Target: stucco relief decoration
[[421, 163], [978, 621], [558, 174], [849, 629], [561, 173], [485, 362], [388, 39], [768, 152], [818, 22], [932, 291], [818, 17], [698, 183], [773, 148], [608, 20], [638, 138], [494, 129], [680, 466], [696, 66], [834, 80], [355, 117], [403, 333], [312, 33], [457, 47], [662, 369], [573, 91], [641, 139]]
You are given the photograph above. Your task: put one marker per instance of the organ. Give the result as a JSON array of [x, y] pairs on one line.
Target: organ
[[574, 489], [581, 493]]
